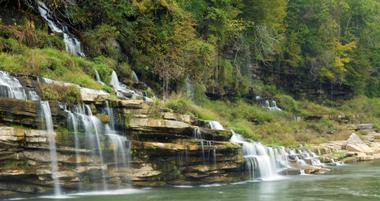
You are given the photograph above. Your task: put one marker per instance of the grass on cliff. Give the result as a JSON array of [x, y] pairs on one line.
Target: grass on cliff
[[300, 122], [54, 64]]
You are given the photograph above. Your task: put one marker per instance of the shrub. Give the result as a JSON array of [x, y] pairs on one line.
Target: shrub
[[179, 105], [66, 94]]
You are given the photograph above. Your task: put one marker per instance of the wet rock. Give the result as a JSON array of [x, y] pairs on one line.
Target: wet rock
[[19, 112], [92, 95]]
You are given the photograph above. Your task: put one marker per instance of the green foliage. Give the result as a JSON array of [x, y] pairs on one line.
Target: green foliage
[[178, 105], [66, 94], [102, 41], [53, 64], [307, 55]]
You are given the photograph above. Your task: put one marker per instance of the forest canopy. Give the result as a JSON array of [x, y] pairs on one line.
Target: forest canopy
[[315, 49]]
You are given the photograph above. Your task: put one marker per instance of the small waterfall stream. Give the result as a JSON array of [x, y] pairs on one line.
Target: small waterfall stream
[[47, 118], [71, 42], [266, 163], [11, 87], [215, 125], [262, 162], [121, 90], [98, 79], [135, 77], [208, 149], [96, 136]]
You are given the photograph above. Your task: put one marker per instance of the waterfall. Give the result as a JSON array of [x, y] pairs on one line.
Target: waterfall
[[211, 149], [92, 127], [121, 149], [114, 80], [11, 87], [215, 125], [266, 163], [135, 77], [111, 116], [72, 44], [262, 162], [271, 107], [274, 106], [120, 144], [97, 76], [305, 157], [72, 123], [47, 118], [121, 90], [189, 88], [96, 133]]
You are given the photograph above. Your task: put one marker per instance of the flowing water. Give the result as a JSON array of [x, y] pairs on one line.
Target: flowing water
[[262, 162], [360, 182], [97, 77], [47, 119], [11, 87], [71, 42], [96, 135], [215, 125], [135, 77], [121, 90]]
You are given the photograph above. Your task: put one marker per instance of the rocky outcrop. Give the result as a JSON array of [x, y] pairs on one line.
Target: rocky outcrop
[[353, 149], [166, 148]]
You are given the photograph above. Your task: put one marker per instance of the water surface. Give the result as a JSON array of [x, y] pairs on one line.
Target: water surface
[[360, 182]]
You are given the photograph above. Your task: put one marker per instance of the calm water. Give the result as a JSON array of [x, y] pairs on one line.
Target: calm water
[[359, 182]]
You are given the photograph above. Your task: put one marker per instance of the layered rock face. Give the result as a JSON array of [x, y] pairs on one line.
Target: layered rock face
[[163, 146], [106, 143]]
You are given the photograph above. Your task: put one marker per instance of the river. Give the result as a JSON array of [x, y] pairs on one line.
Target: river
[[359, 182]]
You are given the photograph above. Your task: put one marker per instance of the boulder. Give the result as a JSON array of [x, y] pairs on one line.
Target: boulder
[[92, 95], [354, 139], [368, 126], [355, 144], [362, 148]]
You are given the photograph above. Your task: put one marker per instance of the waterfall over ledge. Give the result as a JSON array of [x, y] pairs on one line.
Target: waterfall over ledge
[[101, 144], [268, 163]]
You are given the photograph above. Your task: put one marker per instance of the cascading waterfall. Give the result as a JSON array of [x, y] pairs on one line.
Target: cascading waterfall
[[215, 125], [111, 116], [135, 77], [92, 127], [73, 124], [272, 107], [266, 163], [71, 42], [98, 79], [211, 149], [11, 87], [121, 145], [121, 90], [262, 162], [121, 149], [95, 135], [47, 118]]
